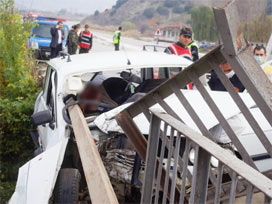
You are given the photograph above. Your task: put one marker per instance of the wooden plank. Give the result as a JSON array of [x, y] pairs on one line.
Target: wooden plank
[[99, 185], [247, 172], [133, 133]]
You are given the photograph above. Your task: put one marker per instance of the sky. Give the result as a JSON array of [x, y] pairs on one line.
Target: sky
[[76, 6]]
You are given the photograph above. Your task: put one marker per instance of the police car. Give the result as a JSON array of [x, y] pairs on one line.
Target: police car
[[40, 37]]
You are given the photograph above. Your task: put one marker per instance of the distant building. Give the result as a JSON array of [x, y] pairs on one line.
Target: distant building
[[168, 33]]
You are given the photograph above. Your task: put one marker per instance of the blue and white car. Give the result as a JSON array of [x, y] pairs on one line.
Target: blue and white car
[[40, 37]]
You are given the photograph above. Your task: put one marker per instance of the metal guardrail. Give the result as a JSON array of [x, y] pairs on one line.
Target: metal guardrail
[[234, 50], [204, 149]]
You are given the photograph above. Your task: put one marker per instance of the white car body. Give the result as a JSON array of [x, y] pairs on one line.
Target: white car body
[[37, 177]]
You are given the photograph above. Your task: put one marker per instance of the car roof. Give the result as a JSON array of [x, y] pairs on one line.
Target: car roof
[[112, 60], [49, 22]]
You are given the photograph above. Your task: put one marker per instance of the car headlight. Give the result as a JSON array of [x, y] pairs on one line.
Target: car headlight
[[34, 45]]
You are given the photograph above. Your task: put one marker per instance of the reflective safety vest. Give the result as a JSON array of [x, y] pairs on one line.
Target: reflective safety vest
[[85, 39], [181, 51], [193, 43], [116, 36]]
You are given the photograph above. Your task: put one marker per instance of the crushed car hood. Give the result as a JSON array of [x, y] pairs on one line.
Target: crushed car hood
[[106, 122]]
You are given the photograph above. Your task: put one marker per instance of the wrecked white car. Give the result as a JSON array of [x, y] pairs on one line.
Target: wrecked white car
[[103, 84], [105, 80]]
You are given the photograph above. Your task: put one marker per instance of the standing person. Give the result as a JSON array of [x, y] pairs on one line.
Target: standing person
[[260, 56], [85, 40], [117, 38], [57, 36], [72, 40], [180, 48], [193, 46]]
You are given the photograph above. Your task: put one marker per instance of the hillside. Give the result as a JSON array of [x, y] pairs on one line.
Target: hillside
[[146, 15]]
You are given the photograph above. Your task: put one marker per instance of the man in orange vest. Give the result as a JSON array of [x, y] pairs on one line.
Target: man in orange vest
[[85, 40], [180, 48]]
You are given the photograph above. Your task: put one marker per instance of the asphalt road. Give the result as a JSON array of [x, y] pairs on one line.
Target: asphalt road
[[103, 41]]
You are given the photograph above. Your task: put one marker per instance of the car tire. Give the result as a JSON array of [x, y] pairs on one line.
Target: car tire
[[67, 186]]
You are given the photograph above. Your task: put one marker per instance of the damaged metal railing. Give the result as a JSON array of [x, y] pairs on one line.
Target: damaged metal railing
[[204, 149], [234, 50]]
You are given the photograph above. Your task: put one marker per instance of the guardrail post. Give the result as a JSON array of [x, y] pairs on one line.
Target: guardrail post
[[202, 175], [153, 141]]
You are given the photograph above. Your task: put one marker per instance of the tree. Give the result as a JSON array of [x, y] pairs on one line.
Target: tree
[[170, 3], [188, 6], [96, 13], [163, 11], [178, 10], [18, 91], [149, 13], [259, 29], [203, 24], [269, 7], [119, 3]]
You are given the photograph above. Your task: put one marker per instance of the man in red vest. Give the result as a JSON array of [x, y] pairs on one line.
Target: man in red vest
[[180, 48], [85, 40]]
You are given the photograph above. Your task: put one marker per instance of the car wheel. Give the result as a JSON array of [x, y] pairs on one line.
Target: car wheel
[[67, 186]]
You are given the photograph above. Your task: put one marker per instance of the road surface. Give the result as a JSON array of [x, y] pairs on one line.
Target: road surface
[[102, 41]]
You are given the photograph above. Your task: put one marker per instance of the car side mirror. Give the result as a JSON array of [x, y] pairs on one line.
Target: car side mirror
[[41, 118]]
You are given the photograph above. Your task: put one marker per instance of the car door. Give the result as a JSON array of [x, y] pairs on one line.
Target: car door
[[48, 102]]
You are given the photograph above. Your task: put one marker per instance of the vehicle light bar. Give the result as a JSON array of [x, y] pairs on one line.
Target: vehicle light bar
[[50, 18]]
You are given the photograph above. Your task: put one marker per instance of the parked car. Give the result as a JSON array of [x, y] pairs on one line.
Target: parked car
[[40, 37]]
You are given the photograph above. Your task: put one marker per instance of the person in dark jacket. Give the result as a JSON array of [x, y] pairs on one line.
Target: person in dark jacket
[[57, 37], [216, 85], [72, 40]]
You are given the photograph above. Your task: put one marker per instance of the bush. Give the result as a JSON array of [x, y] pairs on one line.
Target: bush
[[143, 28], [163, 11], [170, 3], [18, 90], [127, 25], [178, 10], [188, 7], [149, 13]]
